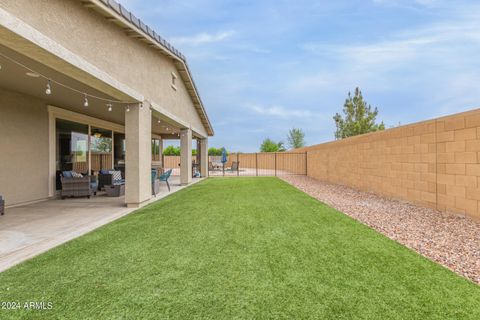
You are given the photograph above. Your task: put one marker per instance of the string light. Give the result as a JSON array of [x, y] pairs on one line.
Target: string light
[[51, 81], [109, 107], [128, 108], [48, 91], [158, 121]]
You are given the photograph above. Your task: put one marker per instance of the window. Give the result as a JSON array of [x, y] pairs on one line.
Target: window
[[156, 156], [119, 150], [174, 81], [101, 149]]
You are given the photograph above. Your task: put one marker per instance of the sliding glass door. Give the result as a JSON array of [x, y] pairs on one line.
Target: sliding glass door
[[72, 147], [87, 149]]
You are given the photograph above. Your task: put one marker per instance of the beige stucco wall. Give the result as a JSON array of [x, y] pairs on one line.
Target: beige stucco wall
[[23, 148], [434, 163], [103, 44]]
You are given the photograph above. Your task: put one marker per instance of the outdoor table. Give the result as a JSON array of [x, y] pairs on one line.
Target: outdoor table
[[115, 190]]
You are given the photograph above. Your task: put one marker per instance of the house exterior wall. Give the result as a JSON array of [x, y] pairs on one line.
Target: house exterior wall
[[106, 46], [24, 148], [434, 163]]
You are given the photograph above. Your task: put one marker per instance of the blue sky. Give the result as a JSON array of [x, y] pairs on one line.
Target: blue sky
[[263, 67]]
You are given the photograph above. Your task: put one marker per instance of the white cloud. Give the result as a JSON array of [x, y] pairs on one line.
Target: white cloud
[[439, 45], [202, 38], [279, 111], [404, 47], [409, 4]]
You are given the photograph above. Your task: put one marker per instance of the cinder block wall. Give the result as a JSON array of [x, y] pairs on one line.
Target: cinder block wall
[[434, 163]]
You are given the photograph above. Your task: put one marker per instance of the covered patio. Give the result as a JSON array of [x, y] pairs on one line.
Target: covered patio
[[67, 108], [29, 230]]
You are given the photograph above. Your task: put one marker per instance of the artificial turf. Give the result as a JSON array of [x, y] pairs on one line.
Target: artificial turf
[[229, 248]]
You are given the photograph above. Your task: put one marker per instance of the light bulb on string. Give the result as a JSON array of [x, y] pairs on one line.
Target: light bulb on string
[[128, 108], [48, 91], [85, 101], [109, 107]]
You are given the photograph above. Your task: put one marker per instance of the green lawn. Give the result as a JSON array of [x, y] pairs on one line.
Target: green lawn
[[231, 248]]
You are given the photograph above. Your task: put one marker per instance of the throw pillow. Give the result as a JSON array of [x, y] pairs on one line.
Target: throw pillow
[[116, 175], [76, 175]]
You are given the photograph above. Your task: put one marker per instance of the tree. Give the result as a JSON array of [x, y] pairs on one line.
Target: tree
[[296, 138], [175, 151], [359, 117], [101, 144], [215, 151], [268, 145], [171, 151]]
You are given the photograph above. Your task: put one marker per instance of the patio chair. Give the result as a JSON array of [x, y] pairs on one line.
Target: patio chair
[[235, 166], [109, 178], [210, 166], [165, 176], [73, 186], [155, 183]]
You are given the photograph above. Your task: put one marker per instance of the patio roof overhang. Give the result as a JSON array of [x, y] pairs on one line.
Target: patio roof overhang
[[15, 78]]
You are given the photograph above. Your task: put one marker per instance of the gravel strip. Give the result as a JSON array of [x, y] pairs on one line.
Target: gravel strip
[[450, 240]]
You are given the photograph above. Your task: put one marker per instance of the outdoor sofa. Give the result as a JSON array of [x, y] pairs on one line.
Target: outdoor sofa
[[77, 185]]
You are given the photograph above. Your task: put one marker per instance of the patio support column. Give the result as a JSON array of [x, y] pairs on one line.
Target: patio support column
[[160, 150], [203, 143], [197, 156], [186, 156], [138, 159]]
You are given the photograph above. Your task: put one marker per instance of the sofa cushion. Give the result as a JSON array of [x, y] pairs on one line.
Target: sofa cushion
[[67, 174]]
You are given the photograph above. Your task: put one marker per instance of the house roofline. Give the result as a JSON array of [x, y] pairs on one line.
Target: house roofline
[[135, 28]]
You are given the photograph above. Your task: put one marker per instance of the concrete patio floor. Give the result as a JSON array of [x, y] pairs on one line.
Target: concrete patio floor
[[29, 230]]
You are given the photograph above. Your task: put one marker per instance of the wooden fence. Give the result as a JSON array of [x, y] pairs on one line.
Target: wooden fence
[[99, 161], [250, 164], [260, 164]]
